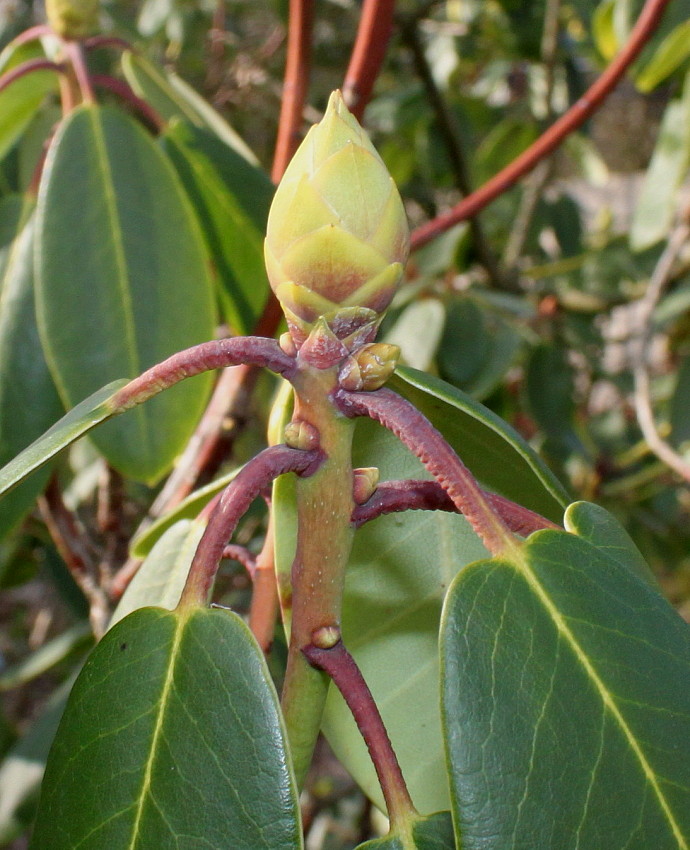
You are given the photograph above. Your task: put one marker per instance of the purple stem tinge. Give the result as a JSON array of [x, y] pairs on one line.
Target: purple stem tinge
[[233, 503], [259, 351], [343, 670], [415, 431], [412, 495]]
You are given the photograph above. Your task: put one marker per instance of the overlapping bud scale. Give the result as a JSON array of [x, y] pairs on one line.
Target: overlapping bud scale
[[337, 237]]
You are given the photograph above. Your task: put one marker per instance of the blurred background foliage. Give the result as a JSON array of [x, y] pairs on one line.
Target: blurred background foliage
[[563, 306]]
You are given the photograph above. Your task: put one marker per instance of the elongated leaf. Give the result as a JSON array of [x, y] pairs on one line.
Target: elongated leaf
[[23, 766], [670, 54], [77, 637], [493, 451], [80, 420], [431, 833], [566, 678], [20, 101], [188, 508], [29, 403], [669, 164], [160, 579], [172, 98], [122, 280], [172, 738], [231, 198], [399, 572]]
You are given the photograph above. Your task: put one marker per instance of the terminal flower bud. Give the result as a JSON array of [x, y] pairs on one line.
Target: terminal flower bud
[[337, 237], [73, 19]]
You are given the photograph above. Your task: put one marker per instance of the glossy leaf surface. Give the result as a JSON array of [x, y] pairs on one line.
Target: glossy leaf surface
[[171, 738], [122, 280], [434, 832], [29, 403], [493, 451], [567, 678], [231, 198]]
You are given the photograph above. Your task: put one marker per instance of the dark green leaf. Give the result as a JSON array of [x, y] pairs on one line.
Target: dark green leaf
[[29, 403], [172, 738], [493, 451], [598, 527], [550, 386], [680, 405], [231, 198], [431, 833], [477, 348], [122, 280], [566, 678]]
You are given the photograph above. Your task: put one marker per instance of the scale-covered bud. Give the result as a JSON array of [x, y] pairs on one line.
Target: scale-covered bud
[[73, 19], [369, 367], [337, 236]]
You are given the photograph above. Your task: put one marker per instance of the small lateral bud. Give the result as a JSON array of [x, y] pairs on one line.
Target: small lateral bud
[[365, 481], [286, 343], [301, 435], [369, 367], [325, 637]]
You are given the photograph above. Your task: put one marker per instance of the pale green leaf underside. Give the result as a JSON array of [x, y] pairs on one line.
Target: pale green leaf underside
[[81, 419], [160, 579], [567, 678], [434, 832], [172, 738], [400, 569]]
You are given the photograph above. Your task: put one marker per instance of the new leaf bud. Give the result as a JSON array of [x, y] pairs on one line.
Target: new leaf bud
[[337, 236]]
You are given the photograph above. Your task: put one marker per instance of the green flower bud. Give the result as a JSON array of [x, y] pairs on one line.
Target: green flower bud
[[337, 237], [73, 19], [369, 367]]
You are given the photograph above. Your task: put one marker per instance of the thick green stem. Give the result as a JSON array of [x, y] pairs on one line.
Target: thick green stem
[[324, 540]]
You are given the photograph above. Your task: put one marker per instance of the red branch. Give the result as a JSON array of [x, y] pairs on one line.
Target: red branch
[[294, 85], [415, 431], [232, 504], [337, 662], [373, 35], [578, 113], [393, 496], [125, 93]]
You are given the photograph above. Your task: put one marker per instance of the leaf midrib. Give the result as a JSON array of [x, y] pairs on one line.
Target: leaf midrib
[[180, 625], [522, 563]]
